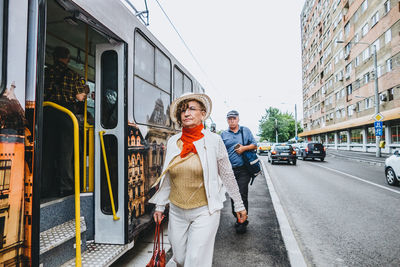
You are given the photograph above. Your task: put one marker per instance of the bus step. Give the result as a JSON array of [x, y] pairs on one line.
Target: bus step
[[100, 255], [57, 244]]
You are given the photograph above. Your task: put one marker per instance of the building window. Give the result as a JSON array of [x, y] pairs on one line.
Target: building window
[[343, 137], [396, 134], [2, 226], [371, 139], [364, 30], [379, 71], [368, 103], [390, 94], [5, 174], [3, 43], [356, 136], [331, 138], [388, 36], [349, 89], [347, 29], [366, 78], [377, 45], [357, 61], [375, 19], [389, 66], [387, 6], [365, 54], [364, 6], [350, 110]]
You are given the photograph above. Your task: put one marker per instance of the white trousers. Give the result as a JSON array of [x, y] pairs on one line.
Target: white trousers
[[191, 234]]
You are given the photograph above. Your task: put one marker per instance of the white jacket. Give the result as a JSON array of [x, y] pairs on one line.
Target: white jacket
[[217, 173]]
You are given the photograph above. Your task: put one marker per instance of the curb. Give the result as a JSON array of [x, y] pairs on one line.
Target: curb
[[296, 258], [359, 160]]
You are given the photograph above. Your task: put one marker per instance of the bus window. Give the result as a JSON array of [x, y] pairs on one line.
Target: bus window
[[187, 84], [152, 94], [3, 44], [111, 145], [109, 85], [178, 84], [182, 83], [163, 71]]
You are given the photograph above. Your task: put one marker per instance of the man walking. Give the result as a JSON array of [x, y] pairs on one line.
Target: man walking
[[64, 87], [239, 139]]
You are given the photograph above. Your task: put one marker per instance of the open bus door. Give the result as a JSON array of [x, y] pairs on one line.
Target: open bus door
[[110, 141]]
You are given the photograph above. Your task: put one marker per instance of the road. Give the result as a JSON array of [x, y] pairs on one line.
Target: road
[[342, 212]]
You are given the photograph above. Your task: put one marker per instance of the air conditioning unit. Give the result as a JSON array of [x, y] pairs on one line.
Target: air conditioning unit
[[383, 97], [354, 107], [340, 78]]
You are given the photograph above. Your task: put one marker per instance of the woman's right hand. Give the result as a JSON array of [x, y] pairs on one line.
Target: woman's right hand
[[158, 216]]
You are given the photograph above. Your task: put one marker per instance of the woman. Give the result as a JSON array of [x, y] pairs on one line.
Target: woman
[[196, 168]]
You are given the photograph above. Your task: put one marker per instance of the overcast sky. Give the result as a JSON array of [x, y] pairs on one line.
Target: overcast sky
[[250, 51]]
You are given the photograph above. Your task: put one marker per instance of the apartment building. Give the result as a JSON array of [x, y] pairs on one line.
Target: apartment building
[[339, 38]]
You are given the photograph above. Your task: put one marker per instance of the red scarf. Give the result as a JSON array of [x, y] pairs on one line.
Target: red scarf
[[189, 135]]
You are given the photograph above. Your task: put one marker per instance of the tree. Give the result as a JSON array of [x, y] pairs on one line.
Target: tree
[[275, 122]]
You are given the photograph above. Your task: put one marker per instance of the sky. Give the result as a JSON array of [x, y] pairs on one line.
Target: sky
[[249, 52]]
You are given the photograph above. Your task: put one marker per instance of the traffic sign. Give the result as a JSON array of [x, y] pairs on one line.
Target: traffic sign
[[378, 128], [378, 117]]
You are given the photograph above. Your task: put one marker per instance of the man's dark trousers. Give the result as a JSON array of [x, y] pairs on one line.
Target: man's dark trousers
[[58, 168], [243, 179]]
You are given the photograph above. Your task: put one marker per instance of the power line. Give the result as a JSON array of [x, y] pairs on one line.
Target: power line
[[187, 47]]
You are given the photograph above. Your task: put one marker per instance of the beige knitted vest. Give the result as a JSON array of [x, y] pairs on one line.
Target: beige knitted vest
[[187, 183]]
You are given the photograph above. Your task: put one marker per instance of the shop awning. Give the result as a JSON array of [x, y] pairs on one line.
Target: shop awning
[[387, 114]]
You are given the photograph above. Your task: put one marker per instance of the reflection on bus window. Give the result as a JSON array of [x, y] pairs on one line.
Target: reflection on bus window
[[152, 80], [182, 83], [3, 32], [109, 89], [151, 109]]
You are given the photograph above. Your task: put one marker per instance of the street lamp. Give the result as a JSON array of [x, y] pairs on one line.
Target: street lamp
[[295, 121], [378, 138]]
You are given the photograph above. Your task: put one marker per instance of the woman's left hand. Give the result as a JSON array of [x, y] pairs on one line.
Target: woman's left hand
[[242, 216]]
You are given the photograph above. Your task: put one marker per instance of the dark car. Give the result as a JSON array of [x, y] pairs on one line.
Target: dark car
[[282, 152], [312, 151]]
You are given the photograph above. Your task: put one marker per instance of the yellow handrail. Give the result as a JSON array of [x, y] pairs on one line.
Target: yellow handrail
[[101, 133], [78, 260], [91, 158]]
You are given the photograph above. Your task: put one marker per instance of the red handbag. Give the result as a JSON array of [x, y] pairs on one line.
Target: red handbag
[[158, 258]]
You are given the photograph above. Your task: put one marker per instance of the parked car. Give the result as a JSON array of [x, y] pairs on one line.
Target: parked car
[[312, 151], [263, 148], [392, 168], [282, 152]]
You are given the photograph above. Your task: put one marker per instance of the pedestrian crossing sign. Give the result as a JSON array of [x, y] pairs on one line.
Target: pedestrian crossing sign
[[378, 117]]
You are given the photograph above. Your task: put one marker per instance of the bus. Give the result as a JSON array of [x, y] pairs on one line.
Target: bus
[[119, 141]]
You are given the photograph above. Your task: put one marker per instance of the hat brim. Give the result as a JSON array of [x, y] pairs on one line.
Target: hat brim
[[202, 98]]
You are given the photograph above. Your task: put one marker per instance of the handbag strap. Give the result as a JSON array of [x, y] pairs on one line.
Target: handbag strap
[[241, 132]]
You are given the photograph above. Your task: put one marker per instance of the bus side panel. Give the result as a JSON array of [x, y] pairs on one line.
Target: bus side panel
[[145, 162], [13, 127]]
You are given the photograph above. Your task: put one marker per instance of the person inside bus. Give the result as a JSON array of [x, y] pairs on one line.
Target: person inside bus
[[195, 174], [62, 86]]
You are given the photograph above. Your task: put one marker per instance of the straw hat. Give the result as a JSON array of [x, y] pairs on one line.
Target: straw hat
[[202, 98]]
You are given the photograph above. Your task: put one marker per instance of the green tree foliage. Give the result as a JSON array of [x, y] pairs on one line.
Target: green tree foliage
[[283, 122]]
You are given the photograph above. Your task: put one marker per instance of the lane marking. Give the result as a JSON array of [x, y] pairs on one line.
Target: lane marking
[[296, 258], [360, 179]]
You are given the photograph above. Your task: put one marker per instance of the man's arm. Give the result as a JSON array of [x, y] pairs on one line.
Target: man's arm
[[251, 146]]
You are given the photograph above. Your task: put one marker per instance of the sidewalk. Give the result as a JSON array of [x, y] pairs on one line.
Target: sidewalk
[[368, 157]]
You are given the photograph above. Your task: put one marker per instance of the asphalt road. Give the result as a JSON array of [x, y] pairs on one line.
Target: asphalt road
[[342, 212]]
